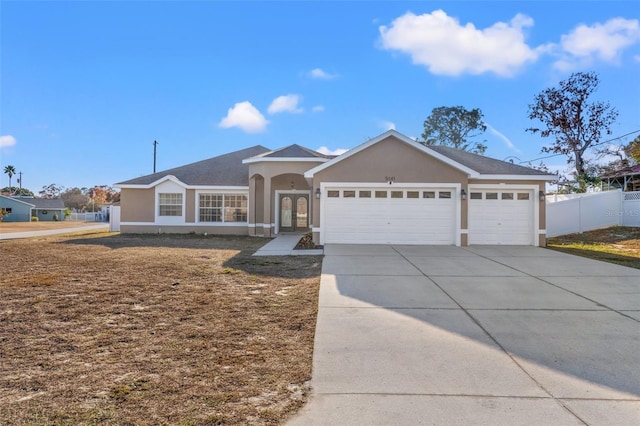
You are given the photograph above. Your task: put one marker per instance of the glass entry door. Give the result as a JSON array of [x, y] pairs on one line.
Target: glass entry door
[[294, 212]]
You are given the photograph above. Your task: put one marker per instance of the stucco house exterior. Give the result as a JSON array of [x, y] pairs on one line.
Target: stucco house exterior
[[22, 209], [389, 189]]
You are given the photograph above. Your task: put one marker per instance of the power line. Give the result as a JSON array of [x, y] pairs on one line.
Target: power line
[[595, 144]]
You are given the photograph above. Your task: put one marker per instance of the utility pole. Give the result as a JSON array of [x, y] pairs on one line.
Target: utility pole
[[155, 144], [20, 181]]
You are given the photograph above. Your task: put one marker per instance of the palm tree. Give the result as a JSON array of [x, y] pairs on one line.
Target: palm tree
[[10, 171]]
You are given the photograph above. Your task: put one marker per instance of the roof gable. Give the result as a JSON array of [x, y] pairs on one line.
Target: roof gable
[[293, 152], [399, 136], [474, 165], [223, 170]]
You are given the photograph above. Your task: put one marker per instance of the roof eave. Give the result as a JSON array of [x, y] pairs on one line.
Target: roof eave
[[152, 184], [546, 178]]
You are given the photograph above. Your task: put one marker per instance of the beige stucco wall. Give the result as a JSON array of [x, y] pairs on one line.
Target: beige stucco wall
[[390, 157], [190, 206], [138, 205], [184, 229]]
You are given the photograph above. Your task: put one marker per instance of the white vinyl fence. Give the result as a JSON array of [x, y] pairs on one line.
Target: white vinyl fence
[[88, 217], [585, 212]]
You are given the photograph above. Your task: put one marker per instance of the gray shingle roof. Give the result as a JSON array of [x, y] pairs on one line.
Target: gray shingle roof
[[485, 165], [223, 170], [44, 203], [293, 151]]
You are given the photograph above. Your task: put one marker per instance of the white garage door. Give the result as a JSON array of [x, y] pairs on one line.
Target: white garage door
[[500, 216], [389, 216]]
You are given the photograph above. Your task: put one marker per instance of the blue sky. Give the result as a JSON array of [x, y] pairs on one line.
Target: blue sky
[[86, 87]]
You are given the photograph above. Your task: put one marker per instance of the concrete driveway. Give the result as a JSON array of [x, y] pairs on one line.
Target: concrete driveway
[[412, 335]]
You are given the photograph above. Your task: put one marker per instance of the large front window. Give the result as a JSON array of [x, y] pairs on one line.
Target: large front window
[[170, 204], [223, 208]]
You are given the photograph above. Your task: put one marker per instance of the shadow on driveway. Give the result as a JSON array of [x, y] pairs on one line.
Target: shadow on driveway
[[480, 322]]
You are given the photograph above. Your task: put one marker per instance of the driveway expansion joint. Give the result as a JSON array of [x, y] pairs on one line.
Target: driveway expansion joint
[[494, 339]]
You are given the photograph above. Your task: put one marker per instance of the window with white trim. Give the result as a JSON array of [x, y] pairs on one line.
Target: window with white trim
[[210, 208], [169, 204], [235, 208], [222, 208]]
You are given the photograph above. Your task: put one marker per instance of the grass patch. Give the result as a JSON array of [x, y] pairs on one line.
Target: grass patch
[[618, 244], [153, 329]]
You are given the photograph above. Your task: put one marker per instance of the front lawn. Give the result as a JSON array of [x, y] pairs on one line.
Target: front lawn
[[147, 330], [617, 244]]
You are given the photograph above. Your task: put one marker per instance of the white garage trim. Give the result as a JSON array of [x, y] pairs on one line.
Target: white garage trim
[[534, 230], [454, 188]]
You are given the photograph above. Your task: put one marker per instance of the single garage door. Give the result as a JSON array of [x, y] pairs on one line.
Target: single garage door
[[389, 216], [501, 216]]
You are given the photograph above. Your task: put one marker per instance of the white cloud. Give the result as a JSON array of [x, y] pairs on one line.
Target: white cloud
[[387, 125], [326, 151], [604, 42], [7, 141], [506, 140], [318, 108], [446, 47], [285, 103], [320, 74], [636, 58], [246, 117]]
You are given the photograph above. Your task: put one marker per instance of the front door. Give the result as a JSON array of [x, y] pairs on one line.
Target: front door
[[294, 212]]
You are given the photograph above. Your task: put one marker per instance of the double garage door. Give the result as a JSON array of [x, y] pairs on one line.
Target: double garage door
[[390, 216], [425, 216]]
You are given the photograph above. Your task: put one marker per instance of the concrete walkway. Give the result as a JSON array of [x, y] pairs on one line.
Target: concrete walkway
[[415, 335], [284, 245], [31, 234]]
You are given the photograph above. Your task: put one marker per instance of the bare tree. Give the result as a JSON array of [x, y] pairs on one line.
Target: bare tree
[[575, 123]]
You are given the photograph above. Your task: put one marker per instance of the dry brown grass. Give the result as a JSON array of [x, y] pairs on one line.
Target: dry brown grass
[[9, 227], [617, 244], [110, 329]]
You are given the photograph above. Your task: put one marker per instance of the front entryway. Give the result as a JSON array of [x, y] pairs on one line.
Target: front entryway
[[294, 212]]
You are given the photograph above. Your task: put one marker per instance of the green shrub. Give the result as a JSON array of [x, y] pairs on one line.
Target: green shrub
[[34, 219]]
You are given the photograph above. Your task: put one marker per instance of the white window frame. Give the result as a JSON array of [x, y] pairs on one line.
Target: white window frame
[[224, 194], [180, 201], [170, 187]]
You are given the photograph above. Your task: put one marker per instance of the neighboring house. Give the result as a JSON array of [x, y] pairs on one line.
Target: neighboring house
[[389, 189], [627, 178], [22, 209]]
